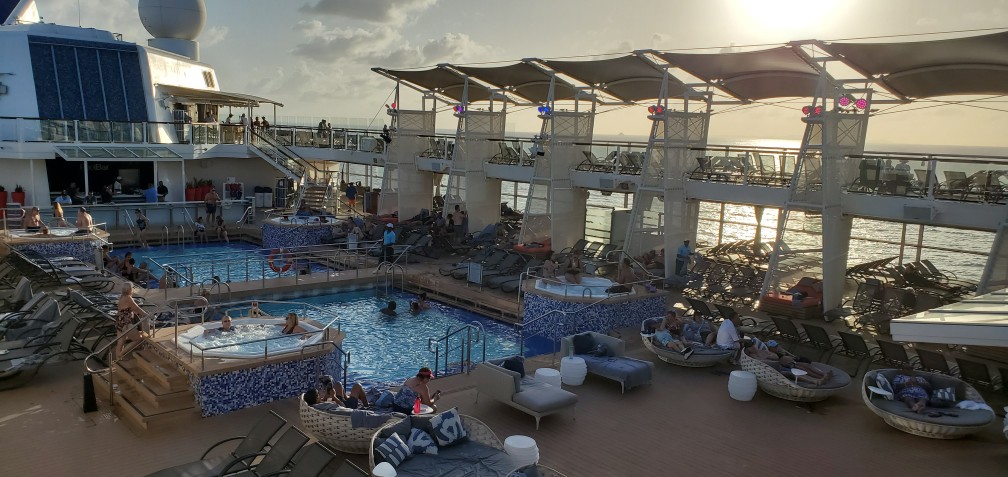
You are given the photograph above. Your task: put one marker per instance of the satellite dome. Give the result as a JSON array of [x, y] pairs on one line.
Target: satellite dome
[[181, 19]]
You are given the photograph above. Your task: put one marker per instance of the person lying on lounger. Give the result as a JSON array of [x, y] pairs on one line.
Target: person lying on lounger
[[698, 330], [785, 364], [912, 389], [356, 399]]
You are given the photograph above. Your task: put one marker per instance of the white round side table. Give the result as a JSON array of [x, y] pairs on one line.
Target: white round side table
[[742, 385], [573, 370], [522, 449], [548, 376]]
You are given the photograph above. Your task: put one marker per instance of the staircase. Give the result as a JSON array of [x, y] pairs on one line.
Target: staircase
[[316, 196], [151, 392]]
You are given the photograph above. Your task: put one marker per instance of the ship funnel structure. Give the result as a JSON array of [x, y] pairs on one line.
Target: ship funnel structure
[[174, 24], [13, 12]]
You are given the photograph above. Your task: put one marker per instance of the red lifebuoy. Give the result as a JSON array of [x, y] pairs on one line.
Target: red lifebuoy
[[286, 264]]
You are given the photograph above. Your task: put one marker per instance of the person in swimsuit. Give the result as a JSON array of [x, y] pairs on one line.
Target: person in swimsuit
[[128, 314], [549, 267], [291, 326], [255, 311], [84, 221], [357, 398], [58, 215], [222, 230], [211, 199], [416, 388], [141, 223], [199, 235], [32, 220], [574, 267]]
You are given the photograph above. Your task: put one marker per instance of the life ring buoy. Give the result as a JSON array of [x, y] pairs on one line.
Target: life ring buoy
[[285, 264]]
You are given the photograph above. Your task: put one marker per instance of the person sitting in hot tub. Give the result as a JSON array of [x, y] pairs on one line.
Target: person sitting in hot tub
[[255, 311], [291, 325], [303, 210], [225, 327], [574, 267], [549, 267], [33, 220]]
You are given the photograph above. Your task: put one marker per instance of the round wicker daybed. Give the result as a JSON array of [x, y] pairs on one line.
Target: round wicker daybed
[[776, 384], [478, 432], [898, 415], [702, 357], [334, 430]]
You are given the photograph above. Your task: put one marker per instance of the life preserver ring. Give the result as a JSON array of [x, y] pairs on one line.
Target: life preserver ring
[[285, 264]]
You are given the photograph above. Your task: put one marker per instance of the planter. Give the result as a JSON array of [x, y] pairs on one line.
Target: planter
[[18, 197], [190, 194], [3, 203]]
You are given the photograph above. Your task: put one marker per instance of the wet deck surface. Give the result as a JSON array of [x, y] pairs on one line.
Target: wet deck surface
[[682, 424]]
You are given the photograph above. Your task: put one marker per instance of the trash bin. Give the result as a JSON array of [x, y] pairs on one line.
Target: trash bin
[[371, 201]]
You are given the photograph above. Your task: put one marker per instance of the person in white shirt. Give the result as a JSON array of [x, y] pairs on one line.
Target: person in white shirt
[[117, 185], [728, 335]]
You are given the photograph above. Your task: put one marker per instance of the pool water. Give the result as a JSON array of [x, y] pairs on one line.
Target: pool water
[[234, 262], [388, 349], [243, 339]]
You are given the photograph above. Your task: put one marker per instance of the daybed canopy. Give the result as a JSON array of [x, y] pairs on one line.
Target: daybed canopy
[[439, 80], [523, 79], [775, 73], [629, 78]]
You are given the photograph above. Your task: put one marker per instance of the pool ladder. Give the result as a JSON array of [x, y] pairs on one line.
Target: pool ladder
[[390, 276], [179, 236], [469, 334]]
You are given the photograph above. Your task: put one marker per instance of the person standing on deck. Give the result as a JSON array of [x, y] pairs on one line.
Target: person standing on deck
[[388, 240], [210, 199], [351, 196], [162, 191], [682, 258]]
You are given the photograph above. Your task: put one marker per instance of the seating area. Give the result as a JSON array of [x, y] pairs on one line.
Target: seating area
[[948, 418], [506, 381], [604, 356]]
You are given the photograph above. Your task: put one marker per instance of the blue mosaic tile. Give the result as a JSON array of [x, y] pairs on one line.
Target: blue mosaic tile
[[282, 236], [600, 317], [233, 390], [83, 250]]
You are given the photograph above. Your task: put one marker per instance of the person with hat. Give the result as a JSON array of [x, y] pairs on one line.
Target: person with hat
[[388, 241], [683, 254], [416, 389]]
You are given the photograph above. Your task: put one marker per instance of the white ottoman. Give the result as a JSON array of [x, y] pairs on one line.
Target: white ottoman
[[742, 385], [522, 449], [573, 370], [548, 376]]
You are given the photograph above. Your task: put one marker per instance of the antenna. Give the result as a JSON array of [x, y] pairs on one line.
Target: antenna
[[78, 14]]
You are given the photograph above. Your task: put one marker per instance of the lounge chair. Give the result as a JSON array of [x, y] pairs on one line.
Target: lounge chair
[[776, 384], [334, 429], [819, 339], [854, 346], [975, 373], [310, 463], [349, 469], [275, 460], [18, 372], [481, 255], [15, 297], [935, 362], [499, 281], [629, 372], [495, 258], [946, 425], [251, 444], [702, 356], [895, 355]]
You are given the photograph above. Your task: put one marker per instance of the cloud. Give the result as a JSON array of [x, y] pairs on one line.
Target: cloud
[[381, 46], [214, 35], [376, 11], [118, 16]]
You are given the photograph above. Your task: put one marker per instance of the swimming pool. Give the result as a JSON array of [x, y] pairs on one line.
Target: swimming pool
[[234, 262], [386, 349]]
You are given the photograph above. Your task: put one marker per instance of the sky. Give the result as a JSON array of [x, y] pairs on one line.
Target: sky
[[315, 56]]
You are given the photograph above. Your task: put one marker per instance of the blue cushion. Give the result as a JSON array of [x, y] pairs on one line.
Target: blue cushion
[[421, 442], [515, 364], [394, 450], [944, 397], [447, 428]]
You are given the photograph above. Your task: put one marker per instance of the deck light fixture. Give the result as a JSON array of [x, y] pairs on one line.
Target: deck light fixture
[[656, 109]]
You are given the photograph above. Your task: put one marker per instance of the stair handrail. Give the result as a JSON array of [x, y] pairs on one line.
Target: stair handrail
[[521, 326], [434, 345], [174, 304], [249, 212], [166, 235], [110, 367]]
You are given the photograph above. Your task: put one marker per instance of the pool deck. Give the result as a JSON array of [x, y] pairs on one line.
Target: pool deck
[[684, 411]]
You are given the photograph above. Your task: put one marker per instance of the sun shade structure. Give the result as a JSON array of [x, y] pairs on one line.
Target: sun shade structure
[[775, 73], [440, 81], [629, 78], [973, 65], [981, 320], [522, 79], [183, 94]]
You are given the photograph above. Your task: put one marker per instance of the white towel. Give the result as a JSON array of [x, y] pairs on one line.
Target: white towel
[[973, 405]]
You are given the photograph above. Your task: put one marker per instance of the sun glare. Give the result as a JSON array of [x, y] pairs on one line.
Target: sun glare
[[787, 17]]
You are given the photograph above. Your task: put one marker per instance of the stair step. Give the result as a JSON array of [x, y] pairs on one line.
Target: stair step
[[151, 392], [137, 414], [160, 371]]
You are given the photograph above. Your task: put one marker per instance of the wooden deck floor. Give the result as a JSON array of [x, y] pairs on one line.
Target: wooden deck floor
[[682, 424]]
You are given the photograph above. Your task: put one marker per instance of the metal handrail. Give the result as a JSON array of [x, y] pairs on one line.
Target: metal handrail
[[434, 345], [260, 340], [111, 365], [521, 326], [249, 211]]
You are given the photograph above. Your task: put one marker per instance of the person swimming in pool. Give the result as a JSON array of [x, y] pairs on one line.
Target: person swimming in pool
[[390, 309], [225, 327]]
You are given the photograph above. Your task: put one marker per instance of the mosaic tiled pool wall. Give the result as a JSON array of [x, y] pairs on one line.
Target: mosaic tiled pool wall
[[233, 390], [83, 250], [600, 317], [281, 236]]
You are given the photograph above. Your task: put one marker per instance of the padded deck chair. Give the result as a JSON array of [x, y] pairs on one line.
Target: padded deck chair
[[310, 463], [480, 255], [495, 258], [975, 373], [251, 445], [18, 372], [854, 346], [498, 281], [13, 298], [349, 469], [513, 262], [819, 339], [895, 355], [486, 236], [29, 326], [273, 461], [935, 362], [788, 331]]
